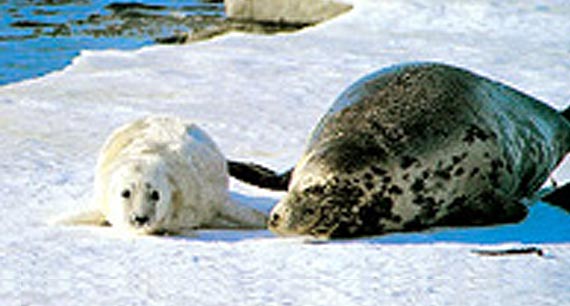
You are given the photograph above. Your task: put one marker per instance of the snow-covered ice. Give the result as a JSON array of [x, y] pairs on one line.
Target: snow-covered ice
[[259, 96]]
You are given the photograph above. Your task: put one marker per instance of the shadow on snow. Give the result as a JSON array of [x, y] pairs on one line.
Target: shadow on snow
[[544, 224]]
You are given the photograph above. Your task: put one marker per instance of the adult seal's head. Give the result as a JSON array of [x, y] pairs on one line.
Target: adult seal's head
[[417, 146], [325, 200]]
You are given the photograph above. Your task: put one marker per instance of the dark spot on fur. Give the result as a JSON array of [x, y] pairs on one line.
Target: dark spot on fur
[[493, 177], [368, 185], [417, 186], [497, 163], [443, 173], [368, 176], [382, 205], [474, 172], [350, 192], [376, 126], [308, 212], [474, 133], [456, 159], [418, 200], [495, 174], [428, 207], [386, 180], [395, 190], [406, 176], [408, 161], [314, 190], [378, 171], [509, 168], [460, 171], [425, 174]]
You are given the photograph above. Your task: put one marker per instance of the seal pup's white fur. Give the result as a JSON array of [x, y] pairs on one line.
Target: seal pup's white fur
[[163, 175]]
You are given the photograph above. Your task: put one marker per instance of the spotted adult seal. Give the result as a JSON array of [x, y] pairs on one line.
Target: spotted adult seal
[[416, 146], [164, 175]]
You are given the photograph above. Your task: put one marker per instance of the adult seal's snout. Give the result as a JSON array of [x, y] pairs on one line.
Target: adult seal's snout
[[274, 219]]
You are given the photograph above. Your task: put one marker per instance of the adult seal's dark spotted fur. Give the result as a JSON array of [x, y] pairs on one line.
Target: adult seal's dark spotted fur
[[417, 146]]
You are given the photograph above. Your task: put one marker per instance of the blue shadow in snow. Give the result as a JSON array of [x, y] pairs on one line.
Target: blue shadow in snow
[[263, 204], [544, 224], [230, 235]]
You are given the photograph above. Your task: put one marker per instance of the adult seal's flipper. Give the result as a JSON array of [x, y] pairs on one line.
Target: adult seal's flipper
[[559, 197], [566, 113], [259, 176]]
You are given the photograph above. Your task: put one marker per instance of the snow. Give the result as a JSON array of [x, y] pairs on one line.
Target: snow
[[259, 97]]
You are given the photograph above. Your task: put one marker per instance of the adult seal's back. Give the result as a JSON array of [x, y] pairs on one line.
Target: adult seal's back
[[417, 146]]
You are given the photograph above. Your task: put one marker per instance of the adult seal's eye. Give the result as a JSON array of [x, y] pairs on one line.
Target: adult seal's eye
[[126, 194], [155, 196], [308, 212], [314, 190]]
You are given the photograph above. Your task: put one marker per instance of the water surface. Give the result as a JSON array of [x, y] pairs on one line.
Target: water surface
[[37, 37]]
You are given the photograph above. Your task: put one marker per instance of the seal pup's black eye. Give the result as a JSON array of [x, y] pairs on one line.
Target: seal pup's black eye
[[155, 196], [126, 194]]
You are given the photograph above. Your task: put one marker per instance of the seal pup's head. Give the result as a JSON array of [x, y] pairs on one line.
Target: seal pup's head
[[139, 196]]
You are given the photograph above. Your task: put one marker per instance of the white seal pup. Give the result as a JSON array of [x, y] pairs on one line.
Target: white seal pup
[[418, 146], [164, 175]]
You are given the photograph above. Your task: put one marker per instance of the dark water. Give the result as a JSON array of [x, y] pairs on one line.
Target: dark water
[[37, 37]]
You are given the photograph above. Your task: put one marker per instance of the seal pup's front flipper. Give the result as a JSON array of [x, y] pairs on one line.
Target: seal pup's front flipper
[[237, 216], [559, 197], [258, 175], [89, 217]]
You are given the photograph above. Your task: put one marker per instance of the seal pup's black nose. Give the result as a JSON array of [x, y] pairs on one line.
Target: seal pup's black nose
[[139, 221]]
